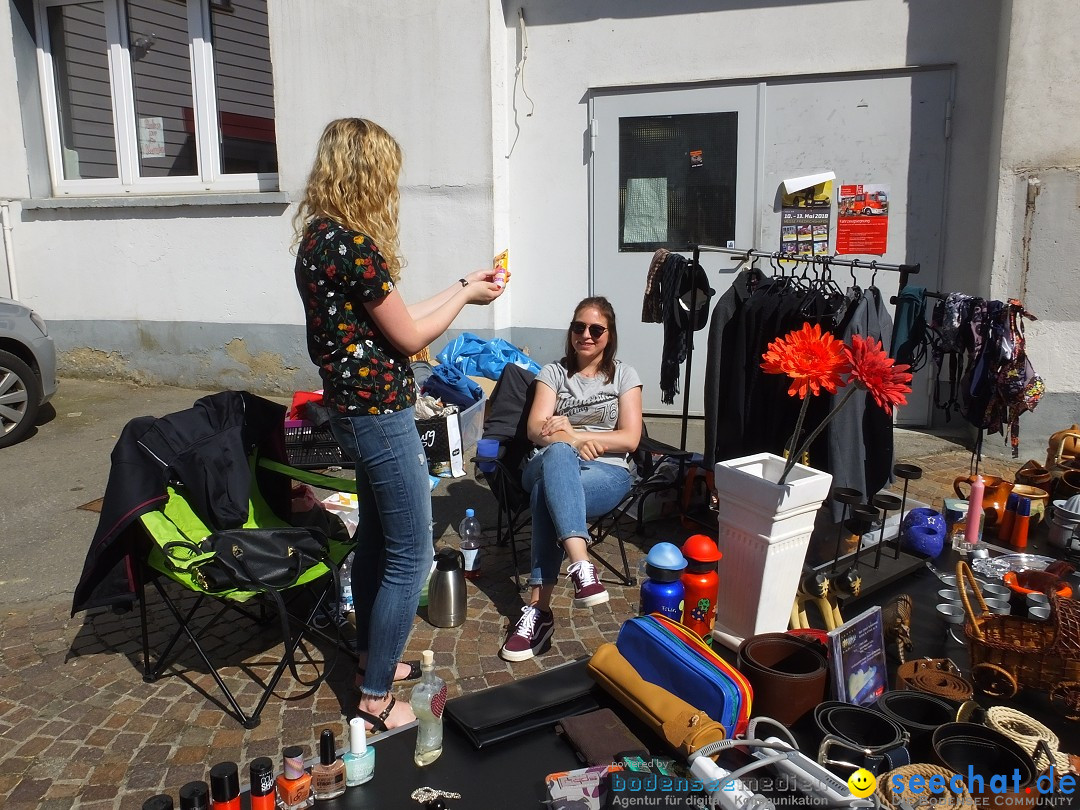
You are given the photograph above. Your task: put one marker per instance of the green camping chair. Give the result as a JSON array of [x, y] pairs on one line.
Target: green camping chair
[[175, 532]]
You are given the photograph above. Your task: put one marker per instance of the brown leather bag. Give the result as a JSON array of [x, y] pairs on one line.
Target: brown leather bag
[[684, 727]]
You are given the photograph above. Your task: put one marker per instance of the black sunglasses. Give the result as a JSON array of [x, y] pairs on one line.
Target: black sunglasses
[[595, 329]]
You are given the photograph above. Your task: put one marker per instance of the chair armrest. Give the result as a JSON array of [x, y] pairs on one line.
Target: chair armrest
[[308, 477], [658, 448]]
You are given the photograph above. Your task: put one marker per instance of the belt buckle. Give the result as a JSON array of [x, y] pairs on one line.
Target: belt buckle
[[873, 756]]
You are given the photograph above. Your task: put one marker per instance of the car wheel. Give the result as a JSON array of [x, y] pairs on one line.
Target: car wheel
[[20, 398], [867, 212]]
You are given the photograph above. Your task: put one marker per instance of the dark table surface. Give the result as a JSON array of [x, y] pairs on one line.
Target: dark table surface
[[511, 774]]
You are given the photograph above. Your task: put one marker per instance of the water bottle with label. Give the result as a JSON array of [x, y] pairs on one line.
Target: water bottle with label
[[469, 530], [345, 603]]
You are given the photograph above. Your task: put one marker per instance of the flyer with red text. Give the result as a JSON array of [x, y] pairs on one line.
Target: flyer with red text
[[862, 220]]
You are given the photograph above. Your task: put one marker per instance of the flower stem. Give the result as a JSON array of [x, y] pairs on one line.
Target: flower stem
[[815, 433], [798, 428]]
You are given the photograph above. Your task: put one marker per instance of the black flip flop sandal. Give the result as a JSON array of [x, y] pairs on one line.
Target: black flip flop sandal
[[378, 721]]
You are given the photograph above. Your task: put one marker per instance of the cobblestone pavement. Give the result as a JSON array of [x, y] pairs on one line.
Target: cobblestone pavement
[[82, 729]]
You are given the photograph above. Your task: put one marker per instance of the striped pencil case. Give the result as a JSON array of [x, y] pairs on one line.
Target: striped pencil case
[[670, 655]]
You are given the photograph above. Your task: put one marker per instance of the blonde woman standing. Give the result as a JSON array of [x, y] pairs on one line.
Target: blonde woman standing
[[360, 333]]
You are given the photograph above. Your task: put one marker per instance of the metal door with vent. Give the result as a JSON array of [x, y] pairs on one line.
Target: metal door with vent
[[704, 164]]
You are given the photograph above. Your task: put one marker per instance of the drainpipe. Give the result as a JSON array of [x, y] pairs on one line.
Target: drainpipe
[[9, 248]]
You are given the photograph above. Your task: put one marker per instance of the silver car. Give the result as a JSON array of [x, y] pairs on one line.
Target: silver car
[[27, 370]]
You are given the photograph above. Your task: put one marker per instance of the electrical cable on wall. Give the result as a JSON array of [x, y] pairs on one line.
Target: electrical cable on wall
[[519, 77]]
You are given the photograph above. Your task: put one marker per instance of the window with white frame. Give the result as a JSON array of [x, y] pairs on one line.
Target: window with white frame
[[157, 96]]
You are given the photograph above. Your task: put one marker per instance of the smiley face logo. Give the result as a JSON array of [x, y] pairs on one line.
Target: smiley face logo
[[861, 783]]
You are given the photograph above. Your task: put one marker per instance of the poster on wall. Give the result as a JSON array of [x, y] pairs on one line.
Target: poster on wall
[[151, 137], [862, 220], [805, 212]]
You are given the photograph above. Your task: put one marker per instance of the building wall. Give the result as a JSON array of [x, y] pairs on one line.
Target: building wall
[[199, 290], [1036, 248]]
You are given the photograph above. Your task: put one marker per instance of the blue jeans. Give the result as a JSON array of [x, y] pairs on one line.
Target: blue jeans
[[565, 492], [393, 539]]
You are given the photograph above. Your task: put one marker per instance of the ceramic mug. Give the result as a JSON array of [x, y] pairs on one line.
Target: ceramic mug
[[1068, 485], [1033, 474], [995, 496]]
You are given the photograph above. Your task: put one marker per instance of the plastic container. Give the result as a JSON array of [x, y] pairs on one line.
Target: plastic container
[[469, 531]]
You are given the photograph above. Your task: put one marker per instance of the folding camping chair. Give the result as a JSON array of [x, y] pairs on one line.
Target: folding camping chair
[[506, 422], [176, 480], [174, 529]]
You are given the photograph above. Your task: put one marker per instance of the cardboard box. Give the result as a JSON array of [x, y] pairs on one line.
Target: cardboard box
[[447, 439]]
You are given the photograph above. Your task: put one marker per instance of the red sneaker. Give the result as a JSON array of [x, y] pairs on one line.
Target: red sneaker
[[529, 635], [587, 588]]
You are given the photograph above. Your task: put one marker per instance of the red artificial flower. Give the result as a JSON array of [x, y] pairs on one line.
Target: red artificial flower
[[873, 370], [813, 359]]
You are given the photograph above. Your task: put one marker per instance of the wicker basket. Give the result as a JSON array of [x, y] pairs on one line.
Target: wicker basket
[[1008, 652]]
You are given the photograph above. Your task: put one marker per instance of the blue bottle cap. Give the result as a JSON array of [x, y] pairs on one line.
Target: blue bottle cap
[[666, 556], [1012, 501], [1023, 507]]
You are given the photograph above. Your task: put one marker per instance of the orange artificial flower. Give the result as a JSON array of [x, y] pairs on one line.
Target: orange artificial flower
[[813, 359], [873, 370]]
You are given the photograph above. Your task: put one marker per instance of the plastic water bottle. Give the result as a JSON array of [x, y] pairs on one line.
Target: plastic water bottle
[[345, 605], [427, 700], [469, 530]]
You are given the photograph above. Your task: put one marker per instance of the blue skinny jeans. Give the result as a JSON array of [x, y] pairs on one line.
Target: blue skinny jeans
[[393, 539], [565, 493]]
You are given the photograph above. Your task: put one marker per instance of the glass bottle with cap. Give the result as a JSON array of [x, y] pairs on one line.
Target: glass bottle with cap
[[360, 760], [195, 796], [261, 773], [328, 777], [225, 786], [294, 784]]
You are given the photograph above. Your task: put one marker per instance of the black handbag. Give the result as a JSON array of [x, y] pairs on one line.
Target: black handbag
[[260, 559]]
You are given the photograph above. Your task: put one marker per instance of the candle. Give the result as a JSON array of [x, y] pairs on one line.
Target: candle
[[975, 510]]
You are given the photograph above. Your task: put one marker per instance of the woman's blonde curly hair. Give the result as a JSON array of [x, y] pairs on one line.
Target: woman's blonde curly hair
[[354, 181]]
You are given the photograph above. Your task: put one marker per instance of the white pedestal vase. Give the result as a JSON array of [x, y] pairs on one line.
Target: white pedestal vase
[[765, 530]]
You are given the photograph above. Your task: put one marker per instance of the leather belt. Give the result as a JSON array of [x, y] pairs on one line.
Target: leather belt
[[918, 713], [935, 676], [867, 738], [986, 752], [788, 673]]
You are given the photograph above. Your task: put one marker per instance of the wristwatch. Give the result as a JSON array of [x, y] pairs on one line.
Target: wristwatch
[[464, 282]]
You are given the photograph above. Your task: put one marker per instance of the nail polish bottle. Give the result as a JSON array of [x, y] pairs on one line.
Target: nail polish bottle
[[195, 796], [261, 773], [360, 761], [161, 801], [225, 786], [294, 785], [328, 777]]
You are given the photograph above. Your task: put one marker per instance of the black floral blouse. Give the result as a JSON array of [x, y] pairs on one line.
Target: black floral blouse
[[337, 272]]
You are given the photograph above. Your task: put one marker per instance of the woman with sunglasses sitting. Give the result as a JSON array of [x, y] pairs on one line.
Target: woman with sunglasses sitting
[[585, 419]]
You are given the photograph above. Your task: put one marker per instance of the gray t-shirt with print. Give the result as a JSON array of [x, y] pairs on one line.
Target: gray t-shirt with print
[[590, 403]]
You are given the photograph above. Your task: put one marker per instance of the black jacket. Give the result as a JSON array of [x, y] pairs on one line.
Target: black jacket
[[205, 448]]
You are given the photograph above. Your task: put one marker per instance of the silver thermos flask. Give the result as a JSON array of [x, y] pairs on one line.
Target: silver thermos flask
[[447, 597]]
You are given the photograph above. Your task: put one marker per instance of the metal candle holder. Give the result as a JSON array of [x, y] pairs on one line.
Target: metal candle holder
[[848, 497], [909, 472], [887, 503]]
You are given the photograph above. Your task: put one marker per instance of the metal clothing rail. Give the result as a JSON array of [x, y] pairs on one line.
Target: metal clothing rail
[[905, 270]]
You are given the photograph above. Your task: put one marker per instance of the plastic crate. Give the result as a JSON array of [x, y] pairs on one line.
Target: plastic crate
[[311, 446]]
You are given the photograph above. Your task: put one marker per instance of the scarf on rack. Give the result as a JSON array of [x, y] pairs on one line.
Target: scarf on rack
[[675, 328]]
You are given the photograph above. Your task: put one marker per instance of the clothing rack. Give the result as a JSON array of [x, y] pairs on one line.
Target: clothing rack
[[743, 255]]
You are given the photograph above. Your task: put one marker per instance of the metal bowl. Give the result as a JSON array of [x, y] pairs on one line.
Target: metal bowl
[[1039, 612], [1037, 600], [999, 606], [949, 595], [993, 590], [952, 612]]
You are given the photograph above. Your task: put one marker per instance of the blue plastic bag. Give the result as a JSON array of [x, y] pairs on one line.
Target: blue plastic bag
[[477, 357]]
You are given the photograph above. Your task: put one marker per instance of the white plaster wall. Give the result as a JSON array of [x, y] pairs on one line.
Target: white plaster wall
[[421, 70], [1037, 248], [574, 47], [13, 166]]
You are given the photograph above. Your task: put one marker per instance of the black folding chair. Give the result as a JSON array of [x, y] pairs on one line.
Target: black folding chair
[[506, 422]]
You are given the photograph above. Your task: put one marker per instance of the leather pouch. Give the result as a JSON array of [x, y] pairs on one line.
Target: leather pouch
[[599, 737], [514, 708]]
